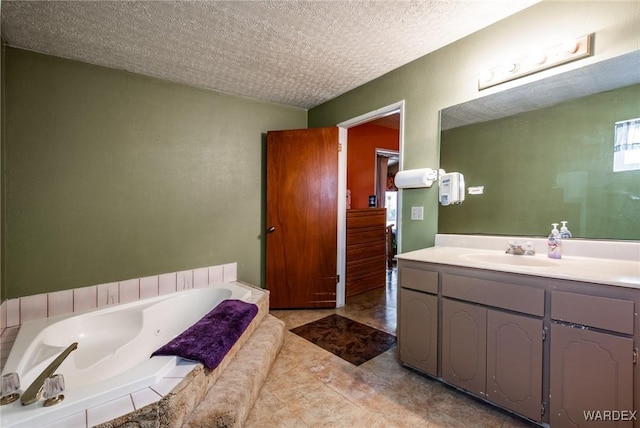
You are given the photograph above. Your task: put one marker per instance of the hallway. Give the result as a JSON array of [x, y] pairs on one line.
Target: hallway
[[310, 387]]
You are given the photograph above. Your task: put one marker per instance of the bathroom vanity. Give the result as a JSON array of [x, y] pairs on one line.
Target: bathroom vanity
[[546, 339]]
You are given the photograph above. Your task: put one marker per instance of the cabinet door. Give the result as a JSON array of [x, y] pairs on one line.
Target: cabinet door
[[590, 372], [514, 362], [464, 345], [419, 330]]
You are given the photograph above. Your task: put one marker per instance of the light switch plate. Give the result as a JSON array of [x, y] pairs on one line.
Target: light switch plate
[[417, 213]]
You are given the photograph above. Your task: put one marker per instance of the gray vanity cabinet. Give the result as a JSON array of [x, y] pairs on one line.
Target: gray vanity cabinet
[[496, 355], [514, 362], [418, 316], [419, 341], [547, 349], [464, 345], [591, 371]]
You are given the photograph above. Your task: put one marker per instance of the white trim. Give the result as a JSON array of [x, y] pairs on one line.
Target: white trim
[[342, 215], [397, 107], [376, 114]]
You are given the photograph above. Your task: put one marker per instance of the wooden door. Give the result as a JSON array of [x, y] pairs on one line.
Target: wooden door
[[302, 218], [514, 362], [464, 345], [591, 372]]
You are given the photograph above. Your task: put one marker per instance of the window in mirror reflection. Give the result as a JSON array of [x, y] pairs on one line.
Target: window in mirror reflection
[[626, 149]]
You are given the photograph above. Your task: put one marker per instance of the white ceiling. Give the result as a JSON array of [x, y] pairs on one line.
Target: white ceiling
[[297, 53]]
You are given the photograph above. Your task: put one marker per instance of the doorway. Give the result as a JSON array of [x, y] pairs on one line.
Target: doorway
[[389, 116]]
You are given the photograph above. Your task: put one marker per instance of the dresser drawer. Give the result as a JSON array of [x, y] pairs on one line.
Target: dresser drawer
[[366, 217], [418, 279], [593, 311], [514, 297], [366, 235]]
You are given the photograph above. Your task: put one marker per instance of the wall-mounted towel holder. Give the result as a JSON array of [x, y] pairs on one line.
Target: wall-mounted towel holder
[[415, 178]]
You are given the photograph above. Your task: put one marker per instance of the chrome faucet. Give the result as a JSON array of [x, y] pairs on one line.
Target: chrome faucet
[[517, 249], [34, 391]]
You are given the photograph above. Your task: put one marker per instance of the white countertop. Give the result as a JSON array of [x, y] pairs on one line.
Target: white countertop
[[622, 273]]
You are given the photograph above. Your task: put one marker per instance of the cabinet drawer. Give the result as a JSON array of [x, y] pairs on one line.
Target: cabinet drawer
[[418, 279], [594, 311], [519, 298]]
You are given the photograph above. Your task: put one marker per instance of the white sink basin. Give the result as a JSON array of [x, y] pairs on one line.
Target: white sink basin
[[509, 259]]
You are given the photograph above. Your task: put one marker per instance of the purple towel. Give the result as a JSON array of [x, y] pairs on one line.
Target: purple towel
[[209, 339]]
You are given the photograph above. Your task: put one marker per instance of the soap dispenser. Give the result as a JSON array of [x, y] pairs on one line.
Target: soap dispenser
[[554, 243], [564, 231]]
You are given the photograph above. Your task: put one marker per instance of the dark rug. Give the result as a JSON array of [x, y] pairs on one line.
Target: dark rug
[[348, 339]]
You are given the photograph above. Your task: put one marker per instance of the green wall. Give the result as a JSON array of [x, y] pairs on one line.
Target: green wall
[[111, 175], [449, 76], [545, 166], [2, 74]]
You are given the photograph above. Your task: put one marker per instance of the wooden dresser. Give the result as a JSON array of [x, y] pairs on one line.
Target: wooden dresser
[[366, 250]]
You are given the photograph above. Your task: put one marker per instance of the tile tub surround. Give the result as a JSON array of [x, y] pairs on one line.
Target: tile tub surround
[[187, 376], [14, 312], [131, 402], [582, 260]]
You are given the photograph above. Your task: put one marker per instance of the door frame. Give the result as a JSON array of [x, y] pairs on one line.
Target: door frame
[[397, 107]]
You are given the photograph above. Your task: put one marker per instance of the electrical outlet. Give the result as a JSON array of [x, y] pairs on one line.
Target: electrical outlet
[[417, 213]]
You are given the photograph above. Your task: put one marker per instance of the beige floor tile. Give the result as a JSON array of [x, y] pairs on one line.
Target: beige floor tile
[[281, 418], [296, 318], [293, 385], [326, 408], [309, 387], [387, 365], [353, 383]]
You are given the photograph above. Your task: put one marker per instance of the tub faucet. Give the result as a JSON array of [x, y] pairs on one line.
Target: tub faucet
[[33, 392]]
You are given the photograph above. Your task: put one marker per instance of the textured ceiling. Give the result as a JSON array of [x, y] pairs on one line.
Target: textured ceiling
[[293, 53]]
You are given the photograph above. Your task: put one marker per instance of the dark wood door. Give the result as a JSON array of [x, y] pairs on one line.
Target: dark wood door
[[302, 218]]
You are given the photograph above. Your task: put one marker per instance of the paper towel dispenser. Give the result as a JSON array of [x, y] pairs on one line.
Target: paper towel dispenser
[[415, 178]]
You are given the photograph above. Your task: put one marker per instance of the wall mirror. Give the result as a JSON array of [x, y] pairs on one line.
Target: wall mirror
[[544, 154]]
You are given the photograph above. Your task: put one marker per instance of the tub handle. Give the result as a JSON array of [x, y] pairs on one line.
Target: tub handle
[[34, 391]]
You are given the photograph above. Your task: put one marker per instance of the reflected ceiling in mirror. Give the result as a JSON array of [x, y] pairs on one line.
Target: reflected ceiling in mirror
[[603, 76]]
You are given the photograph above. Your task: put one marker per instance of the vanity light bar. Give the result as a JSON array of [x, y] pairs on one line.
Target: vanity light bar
[[569, 51]]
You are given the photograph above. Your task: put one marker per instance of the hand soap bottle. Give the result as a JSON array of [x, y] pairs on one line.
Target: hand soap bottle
[[564, 231], [554, 243]]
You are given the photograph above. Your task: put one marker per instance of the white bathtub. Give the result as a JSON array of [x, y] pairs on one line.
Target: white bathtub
[[114, 346]]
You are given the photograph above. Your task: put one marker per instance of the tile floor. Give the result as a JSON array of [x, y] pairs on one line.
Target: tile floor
[[310, 387]]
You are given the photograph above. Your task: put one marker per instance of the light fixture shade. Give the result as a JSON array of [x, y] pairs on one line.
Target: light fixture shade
[[415, 178]]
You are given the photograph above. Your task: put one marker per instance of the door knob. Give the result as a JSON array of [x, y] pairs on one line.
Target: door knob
[[271, 229]]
